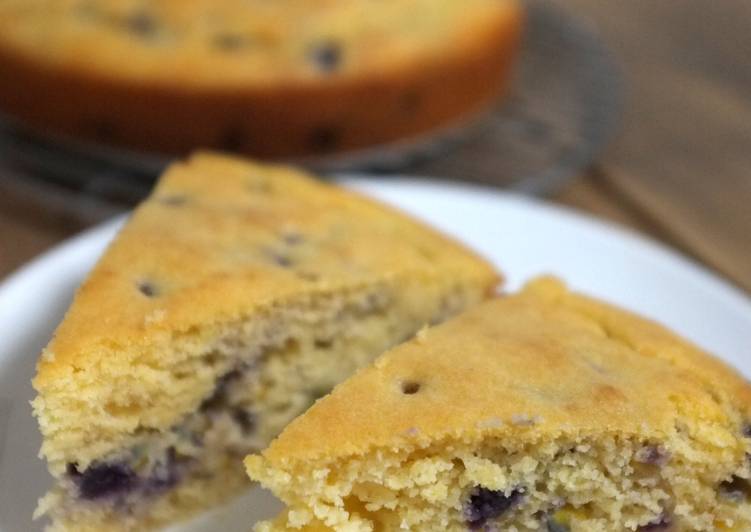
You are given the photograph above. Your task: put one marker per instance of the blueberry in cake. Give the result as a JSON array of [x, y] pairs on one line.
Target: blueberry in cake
[[282, 78], [542, 411], [235, 296]]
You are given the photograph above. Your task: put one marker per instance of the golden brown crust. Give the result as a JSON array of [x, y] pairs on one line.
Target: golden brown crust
[[547, 357], [303, 117], [538, 411], [188, 249]]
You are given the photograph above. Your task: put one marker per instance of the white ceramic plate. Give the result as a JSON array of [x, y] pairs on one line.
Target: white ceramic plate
[[523, 237]]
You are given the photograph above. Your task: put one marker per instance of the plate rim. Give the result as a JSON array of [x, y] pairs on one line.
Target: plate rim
[[364, 182]]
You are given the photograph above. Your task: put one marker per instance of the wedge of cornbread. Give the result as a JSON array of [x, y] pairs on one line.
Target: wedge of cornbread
[[544, 411], [235, 296]]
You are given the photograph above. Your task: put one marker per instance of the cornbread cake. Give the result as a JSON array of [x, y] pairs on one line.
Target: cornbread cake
[[545, 410], [287, 78], [234, 297]]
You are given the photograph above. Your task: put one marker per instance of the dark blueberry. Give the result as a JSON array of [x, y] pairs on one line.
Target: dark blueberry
[[747, 430], [555, 526], [217, 399], [410, 387], [737, 488], [281, 260], [653, 455], [147, 288], [325, 138], [105, 480], [659, 523], [326, 55], [485, 504], [244, 420], [141, 24]]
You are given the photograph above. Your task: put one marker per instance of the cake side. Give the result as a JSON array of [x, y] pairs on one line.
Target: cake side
[[180, 90], [523, 413]]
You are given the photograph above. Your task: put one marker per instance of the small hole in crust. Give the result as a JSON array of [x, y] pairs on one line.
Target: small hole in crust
[[282, 261], [326, 55], [410, 387], [148, 289]]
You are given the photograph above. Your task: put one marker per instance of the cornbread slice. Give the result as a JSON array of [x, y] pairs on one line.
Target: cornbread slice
[[280, 78], [540, 411], [234, 297]]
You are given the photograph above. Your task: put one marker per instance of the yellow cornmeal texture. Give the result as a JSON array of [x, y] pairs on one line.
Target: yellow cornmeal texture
[[210, 42], [544, 411], [235, 296]]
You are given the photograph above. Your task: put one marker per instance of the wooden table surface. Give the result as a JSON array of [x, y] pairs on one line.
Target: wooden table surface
[[679, 169]]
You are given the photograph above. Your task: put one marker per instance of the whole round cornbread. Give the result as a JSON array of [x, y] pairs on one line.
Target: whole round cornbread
[[288, 78]]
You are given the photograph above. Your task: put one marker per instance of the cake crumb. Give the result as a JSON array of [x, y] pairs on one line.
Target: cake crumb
[[490, 423], [48, 355], [156, 316], [422, 335], [524, 420]]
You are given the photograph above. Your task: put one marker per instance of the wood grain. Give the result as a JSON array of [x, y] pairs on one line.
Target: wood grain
[[683, 157]]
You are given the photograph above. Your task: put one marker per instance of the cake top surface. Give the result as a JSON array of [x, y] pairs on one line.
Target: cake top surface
[[221, 43], [221, 239], [546, 362]]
